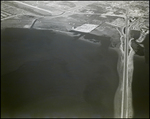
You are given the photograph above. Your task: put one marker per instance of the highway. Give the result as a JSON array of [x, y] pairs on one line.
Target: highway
[[33, 7], [5, 15]]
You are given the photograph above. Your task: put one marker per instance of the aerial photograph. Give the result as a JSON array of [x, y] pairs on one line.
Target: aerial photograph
[[74, 59]]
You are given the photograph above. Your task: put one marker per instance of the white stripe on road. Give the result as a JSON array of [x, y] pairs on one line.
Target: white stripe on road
[[9, 17], [6, 13], [33, 6], [3, 15]]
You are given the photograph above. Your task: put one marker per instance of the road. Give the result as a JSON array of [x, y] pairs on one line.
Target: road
[[33, 7], [5, 14]]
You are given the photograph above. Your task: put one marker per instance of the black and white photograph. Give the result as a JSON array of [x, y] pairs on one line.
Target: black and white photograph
[[74, 59]]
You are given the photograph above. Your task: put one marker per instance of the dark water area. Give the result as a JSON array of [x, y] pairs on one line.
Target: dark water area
[[139, 50], [140, 87], [45, 73]]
